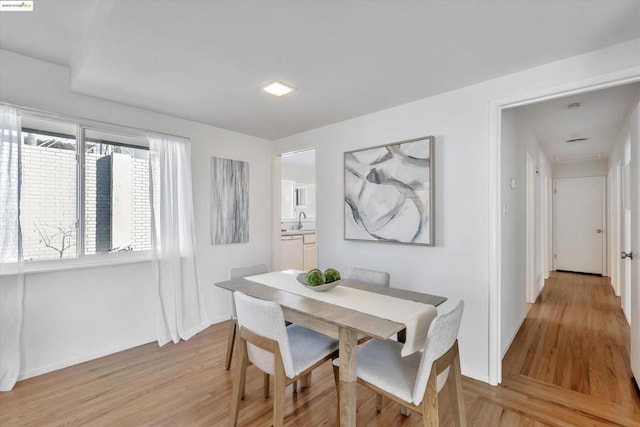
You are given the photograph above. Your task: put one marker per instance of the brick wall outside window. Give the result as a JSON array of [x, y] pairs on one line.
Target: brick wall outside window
[[48, 202]]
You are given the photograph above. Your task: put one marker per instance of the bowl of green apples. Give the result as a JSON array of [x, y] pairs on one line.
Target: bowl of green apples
[[320, 281]]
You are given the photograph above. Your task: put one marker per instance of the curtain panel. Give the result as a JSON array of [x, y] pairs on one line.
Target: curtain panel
[[12, 286], [182, 313]]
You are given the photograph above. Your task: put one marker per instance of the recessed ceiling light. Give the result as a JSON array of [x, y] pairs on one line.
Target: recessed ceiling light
[[277, 88]]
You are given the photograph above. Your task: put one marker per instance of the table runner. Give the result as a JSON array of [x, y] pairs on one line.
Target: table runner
[[414, 315]]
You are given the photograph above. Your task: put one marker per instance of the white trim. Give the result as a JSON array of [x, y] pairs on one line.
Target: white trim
[[530, 230], [515, 333], [495, 247], [84, 358], [616, 229], [546, 232], [89, 261], [81, 197], [276, 210], [91, 123], [616, 78]]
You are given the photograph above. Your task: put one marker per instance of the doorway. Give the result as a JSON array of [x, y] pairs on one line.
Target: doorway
[[297, 213], [506, 195]]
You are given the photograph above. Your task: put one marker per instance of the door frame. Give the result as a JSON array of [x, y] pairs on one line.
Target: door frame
[[605, 235], [496, 107], [537, 238]]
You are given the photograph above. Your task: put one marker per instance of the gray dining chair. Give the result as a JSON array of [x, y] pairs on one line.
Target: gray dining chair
[[236, 273], [381, 278], [414, 381], [286, 352]]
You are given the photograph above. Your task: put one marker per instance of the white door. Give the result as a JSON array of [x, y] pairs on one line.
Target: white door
[[634, 247], [625, 243], [579, 224]]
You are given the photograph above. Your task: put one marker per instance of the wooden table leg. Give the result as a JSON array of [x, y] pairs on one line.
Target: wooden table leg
[[348, 383]]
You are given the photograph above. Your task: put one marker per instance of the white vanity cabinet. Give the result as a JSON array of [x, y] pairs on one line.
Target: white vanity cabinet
[[298, 251], [291, 252], [309, 251]]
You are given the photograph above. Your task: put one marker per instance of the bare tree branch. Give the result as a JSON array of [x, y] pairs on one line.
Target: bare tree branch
[[49, 241]]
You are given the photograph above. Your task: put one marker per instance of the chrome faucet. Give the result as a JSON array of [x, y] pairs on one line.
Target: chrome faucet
[[302, 214]]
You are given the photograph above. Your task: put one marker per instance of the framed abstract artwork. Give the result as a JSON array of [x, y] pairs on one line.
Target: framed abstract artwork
[[389, 193], [229, 201]]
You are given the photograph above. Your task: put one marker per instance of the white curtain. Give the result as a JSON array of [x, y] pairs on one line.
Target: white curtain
[[11, 286], [181, 308]]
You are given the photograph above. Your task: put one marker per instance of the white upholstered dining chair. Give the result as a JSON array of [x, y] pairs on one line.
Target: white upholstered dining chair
[[414, 381], [236, 273], [286, 352], [381, 278]]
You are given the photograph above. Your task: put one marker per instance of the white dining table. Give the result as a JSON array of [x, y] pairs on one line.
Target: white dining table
[[334, 320]]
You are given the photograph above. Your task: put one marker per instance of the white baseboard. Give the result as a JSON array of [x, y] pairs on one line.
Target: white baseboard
[[514, 335], [95, 355], [219, 319], [84, 358]]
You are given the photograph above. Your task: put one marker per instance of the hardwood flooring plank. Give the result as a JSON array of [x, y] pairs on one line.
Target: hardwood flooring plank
[[568, 366]]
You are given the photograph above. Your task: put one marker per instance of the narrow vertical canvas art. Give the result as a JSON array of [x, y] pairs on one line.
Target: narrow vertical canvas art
[[389, 193], [229, 201]]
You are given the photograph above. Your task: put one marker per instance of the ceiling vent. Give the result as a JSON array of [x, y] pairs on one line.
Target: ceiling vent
[[576, 140]]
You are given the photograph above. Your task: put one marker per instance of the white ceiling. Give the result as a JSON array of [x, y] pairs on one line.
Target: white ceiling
[[206, 60], [598, 118]]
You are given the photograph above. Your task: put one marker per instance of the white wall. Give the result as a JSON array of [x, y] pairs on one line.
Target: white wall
[[520, 239], [513, 165], [537, 211], [75, 315], [299, 174], [582, 169], [458, 266]]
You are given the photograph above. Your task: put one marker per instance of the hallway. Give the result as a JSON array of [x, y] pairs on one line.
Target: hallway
[[572, 352]]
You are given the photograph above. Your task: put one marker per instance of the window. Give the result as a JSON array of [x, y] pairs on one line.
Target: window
[[82, 184], [116, 188], [296, 197], [49, 184]]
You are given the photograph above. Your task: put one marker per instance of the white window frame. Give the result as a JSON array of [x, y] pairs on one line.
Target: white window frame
[[82, 260]]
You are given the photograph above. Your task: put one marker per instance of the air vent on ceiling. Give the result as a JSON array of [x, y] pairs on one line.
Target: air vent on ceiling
[[576, 140]]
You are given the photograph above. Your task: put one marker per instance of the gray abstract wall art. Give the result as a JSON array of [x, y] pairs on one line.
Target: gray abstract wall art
[[229, 201], [389, 193]]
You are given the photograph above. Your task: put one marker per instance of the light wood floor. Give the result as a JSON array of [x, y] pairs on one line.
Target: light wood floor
[[568, 366]]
